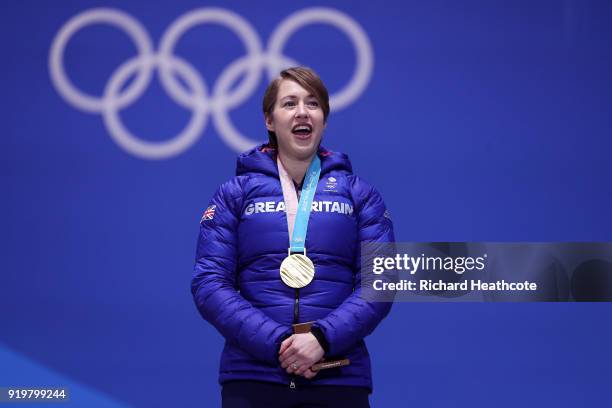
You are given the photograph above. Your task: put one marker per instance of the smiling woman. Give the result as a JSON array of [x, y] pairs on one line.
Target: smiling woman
[[293, 318], [296, 107], [296, 120]]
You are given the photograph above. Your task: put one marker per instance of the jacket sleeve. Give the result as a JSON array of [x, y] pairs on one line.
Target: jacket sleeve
[[214, 285], [357, 317]]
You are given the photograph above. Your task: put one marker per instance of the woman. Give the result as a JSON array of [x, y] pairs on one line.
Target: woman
[[245, 236]]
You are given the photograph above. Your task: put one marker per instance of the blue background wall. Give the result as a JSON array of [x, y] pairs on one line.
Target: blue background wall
[[482, 120]]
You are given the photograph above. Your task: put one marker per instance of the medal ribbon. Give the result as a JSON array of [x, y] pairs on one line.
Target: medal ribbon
[[298, 214]]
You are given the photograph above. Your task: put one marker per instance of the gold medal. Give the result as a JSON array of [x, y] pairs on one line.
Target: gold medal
[[297, 270]]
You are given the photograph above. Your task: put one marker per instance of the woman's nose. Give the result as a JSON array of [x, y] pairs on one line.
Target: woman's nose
[[301, 110]]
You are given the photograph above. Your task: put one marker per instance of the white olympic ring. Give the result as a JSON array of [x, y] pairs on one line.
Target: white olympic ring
[[197, 98]]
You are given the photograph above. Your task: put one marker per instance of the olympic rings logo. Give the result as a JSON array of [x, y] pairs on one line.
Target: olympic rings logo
[[202, 102]]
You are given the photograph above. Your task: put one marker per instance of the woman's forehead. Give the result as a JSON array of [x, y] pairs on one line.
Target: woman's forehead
[[288, 88]]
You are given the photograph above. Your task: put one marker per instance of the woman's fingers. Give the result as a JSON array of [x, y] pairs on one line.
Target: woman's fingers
[[292, 368], [301, 370], [309, 373], [285, 344], [288, 357]]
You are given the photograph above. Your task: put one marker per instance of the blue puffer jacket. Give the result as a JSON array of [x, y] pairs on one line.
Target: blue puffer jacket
[[243, 240]]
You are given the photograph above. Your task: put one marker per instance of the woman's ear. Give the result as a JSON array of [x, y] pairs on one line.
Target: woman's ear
[[269, 123]]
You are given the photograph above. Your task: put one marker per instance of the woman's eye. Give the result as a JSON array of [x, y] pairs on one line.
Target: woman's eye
[[289, 104], [313, 104]]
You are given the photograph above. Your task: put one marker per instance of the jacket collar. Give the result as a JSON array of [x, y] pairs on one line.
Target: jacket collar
[[262, 159]]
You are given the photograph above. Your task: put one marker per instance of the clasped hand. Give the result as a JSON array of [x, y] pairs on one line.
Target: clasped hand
[[299, 352]]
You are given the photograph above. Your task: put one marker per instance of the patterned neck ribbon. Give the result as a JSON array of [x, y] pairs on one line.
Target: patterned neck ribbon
[[298, 213]]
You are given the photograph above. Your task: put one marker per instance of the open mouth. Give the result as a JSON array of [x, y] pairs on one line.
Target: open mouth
[[302, 130]]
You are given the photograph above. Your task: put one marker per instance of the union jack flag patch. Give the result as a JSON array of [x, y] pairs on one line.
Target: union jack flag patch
[[209, 213]]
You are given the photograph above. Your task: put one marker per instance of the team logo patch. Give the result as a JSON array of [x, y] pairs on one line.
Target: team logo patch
[[209, 213], [331, 184]]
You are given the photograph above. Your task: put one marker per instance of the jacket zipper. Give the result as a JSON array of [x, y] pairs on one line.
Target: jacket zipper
[[296, 316], [296, 307]]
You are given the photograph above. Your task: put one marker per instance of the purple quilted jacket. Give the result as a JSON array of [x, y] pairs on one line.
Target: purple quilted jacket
[[243, 240]]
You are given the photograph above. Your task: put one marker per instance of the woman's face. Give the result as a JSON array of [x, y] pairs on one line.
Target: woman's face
[[298, 121]]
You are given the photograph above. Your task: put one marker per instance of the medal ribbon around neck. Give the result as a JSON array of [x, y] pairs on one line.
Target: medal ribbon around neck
[[297, 270]]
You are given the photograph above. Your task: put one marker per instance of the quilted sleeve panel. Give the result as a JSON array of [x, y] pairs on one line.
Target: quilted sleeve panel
[[214, 285], [355, 318]]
